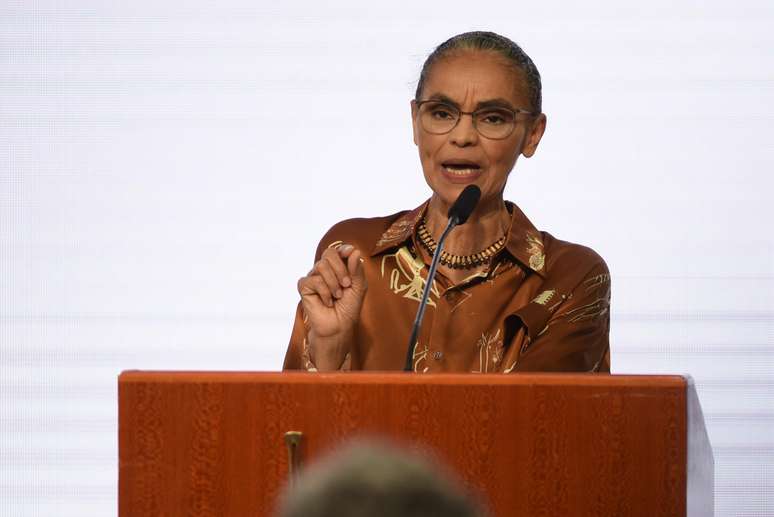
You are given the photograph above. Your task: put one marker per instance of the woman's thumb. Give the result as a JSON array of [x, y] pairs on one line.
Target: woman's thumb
[[355, 265]]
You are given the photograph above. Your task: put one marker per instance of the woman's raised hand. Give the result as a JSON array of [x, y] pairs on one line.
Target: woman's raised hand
[[332, 295]]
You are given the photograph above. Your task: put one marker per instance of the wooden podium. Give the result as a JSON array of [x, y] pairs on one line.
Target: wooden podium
[[213, 444]]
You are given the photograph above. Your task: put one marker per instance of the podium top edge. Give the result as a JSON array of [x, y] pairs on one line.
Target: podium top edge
[[360, 377]]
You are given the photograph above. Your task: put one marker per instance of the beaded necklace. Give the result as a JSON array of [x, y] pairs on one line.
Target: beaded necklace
[[459, 261]]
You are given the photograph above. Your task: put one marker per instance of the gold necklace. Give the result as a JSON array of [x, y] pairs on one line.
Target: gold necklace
[[459, 261]]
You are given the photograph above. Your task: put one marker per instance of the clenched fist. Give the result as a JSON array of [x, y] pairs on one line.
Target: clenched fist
[[332, 295]]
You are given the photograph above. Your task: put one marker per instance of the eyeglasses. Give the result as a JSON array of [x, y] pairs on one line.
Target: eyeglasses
[[495, 122]]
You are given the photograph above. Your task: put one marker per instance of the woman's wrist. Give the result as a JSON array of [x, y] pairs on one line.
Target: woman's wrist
[[329, 353]]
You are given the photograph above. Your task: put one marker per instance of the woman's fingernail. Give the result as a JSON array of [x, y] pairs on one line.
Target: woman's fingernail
[[346, 247], [346, 282], [338, 293]]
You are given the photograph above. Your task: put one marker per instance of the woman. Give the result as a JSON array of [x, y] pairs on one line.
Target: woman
[[507, 297]]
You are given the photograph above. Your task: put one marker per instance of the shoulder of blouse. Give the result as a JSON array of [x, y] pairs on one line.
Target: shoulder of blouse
[[360, 232], [571, 261]]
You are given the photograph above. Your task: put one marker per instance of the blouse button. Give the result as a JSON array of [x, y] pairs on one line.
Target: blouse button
[[438, 355]]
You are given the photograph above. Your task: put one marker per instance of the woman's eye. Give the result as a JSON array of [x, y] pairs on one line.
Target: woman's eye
[[442, 114], [493, 118]]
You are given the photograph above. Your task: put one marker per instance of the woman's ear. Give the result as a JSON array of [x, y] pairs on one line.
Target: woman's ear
[[414, 119], [536, 130]]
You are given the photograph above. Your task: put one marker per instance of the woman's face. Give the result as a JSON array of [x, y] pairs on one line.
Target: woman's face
[[462, 157]]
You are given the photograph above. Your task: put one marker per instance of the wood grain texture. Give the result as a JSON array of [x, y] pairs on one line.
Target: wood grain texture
[[144, 449], [201, 444]]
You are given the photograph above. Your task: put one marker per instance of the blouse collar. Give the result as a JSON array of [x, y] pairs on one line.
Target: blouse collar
[[524, 243]]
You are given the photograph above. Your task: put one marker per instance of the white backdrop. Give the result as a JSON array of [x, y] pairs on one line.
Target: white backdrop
[[167, 168]]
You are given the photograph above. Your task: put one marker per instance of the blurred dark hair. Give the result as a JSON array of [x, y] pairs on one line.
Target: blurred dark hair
[[493, 42], [367, 480]]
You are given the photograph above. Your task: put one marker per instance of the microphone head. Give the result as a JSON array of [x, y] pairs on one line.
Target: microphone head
[[465, 204]]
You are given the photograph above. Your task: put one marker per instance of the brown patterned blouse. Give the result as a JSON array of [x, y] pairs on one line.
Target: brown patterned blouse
[[542, 305]]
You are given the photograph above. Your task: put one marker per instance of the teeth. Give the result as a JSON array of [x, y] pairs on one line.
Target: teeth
[[461, 172]]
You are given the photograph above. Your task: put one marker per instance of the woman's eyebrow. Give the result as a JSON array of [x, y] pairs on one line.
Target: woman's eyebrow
[[443, 98], [489, 103], [495, 103]]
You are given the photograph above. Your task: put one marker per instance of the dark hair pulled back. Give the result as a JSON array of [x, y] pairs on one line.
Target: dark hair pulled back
[[493, 42]]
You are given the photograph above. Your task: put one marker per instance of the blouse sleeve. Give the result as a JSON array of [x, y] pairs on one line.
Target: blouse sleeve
[[569, 332], [297, 355]]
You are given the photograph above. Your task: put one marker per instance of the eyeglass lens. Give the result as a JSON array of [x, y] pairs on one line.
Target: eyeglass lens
[[439, 118]]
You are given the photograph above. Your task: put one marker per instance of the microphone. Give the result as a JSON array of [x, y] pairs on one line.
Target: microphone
[[458, 214], [464, 205]]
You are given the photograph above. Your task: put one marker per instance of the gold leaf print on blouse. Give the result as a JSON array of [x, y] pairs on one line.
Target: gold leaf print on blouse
[[419, 356], [544, 297], [537, 258], [596, 281], [490, 351], [592, 310], [396, 231], [306, 357], [405, 276]]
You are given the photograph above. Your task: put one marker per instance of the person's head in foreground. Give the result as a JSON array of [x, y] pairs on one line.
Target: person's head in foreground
[[365, 480]]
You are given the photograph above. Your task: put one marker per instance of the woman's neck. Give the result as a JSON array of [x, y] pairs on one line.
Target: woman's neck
[[488, 222]]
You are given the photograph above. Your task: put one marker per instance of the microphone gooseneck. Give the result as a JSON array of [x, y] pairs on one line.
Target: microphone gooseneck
[[458, 214]]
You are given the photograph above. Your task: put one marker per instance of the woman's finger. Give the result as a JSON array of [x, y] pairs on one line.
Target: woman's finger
[[334, 257], [325, 270], [354, 264], [345, 250], [315, 286]]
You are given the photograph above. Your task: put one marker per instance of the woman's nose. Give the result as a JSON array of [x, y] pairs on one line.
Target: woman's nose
[[464, 133]]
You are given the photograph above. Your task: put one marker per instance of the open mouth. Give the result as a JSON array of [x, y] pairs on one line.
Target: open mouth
[[461, 168]]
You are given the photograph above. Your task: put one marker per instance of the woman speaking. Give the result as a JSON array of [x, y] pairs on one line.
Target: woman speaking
[[506, 297]]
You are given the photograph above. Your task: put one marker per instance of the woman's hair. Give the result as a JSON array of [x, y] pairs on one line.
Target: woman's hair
[[488, 41]]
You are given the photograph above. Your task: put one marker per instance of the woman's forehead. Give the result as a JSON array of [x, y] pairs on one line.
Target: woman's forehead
[[476, 76]]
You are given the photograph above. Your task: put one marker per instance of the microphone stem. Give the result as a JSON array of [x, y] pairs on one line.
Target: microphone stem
[[409, 367]]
